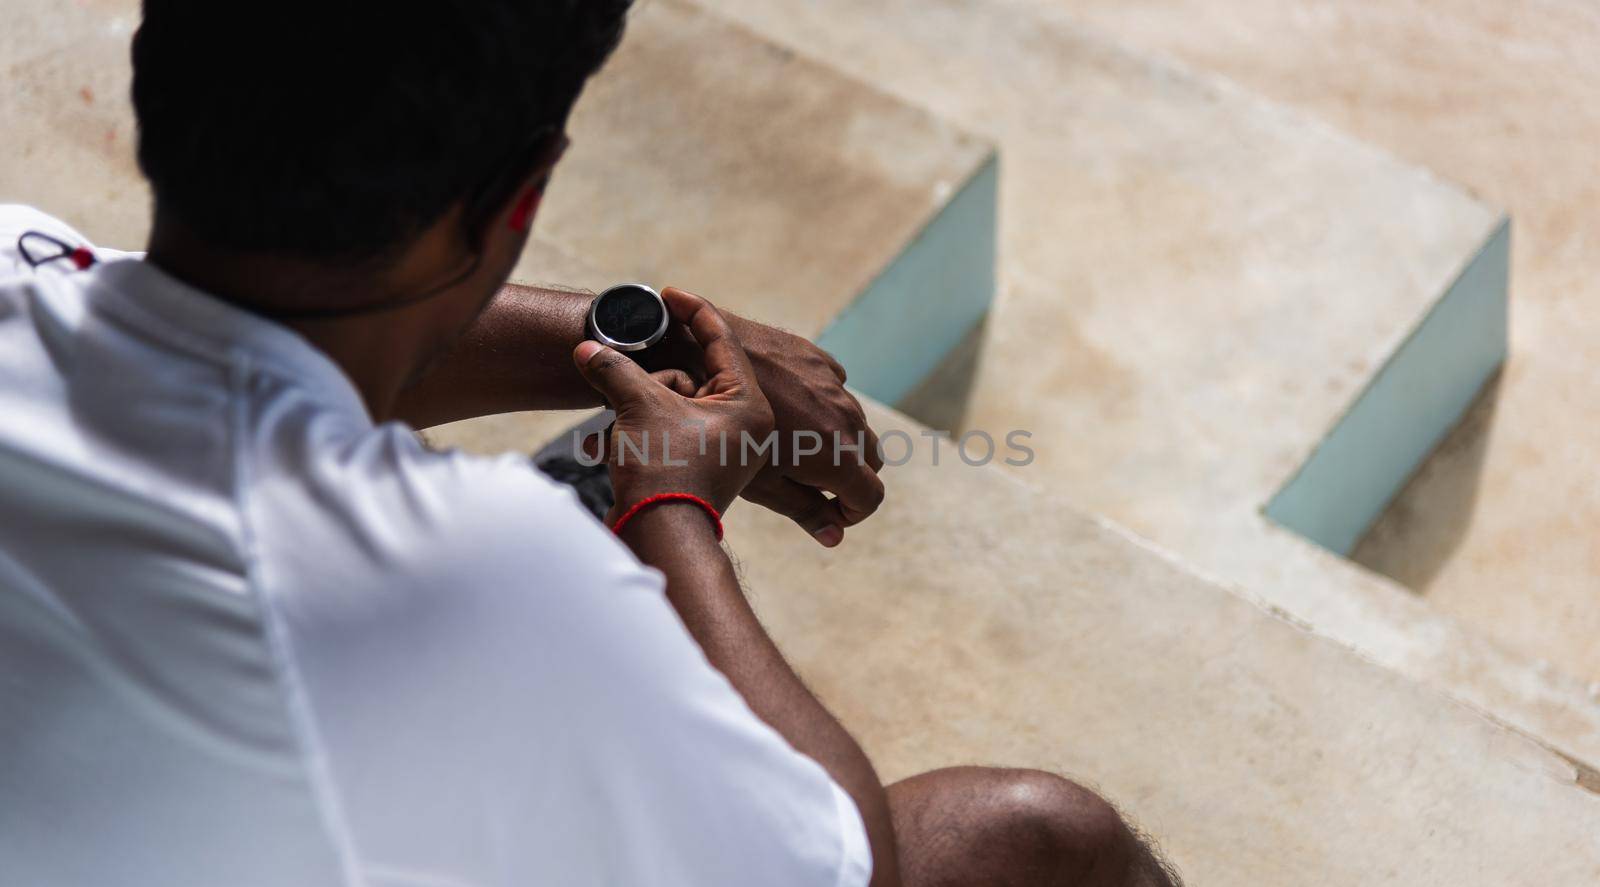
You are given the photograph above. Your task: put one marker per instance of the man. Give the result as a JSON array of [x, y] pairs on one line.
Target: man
[[252, 633]]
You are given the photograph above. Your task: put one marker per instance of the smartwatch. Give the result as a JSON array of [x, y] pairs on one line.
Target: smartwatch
[[630, 317]]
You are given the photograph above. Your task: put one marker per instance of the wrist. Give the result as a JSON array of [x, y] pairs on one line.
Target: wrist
[[630, 486], [627, 493], [676, 519]]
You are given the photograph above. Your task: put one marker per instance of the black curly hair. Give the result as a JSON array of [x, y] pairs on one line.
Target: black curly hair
[[339, 130]]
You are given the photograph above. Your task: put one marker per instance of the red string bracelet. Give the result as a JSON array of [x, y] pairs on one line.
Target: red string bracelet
[[631, 513]]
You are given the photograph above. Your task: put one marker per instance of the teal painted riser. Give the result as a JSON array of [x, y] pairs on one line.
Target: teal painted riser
[[1418, 396], [926, 301]]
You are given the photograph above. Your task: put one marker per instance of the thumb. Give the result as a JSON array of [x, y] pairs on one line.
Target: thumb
[[618, 379]]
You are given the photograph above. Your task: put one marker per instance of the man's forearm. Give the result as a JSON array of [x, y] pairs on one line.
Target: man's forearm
[[703, 588], [517, 356]]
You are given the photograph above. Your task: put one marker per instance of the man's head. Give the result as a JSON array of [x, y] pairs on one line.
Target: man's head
[[339, 135]]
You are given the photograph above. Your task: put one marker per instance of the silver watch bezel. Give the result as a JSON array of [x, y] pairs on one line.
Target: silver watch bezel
[[602, 338]]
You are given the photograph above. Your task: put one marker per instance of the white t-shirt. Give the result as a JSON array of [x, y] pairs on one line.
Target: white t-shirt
[[247, 637]]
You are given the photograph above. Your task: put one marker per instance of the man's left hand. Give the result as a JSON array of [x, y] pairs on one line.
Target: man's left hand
[[837, 487]]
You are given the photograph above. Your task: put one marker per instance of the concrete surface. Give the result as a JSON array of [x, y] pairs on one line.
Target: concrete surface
[[66, 117], [974, 619], [1198, 283], [907, 323], [1500, 528]]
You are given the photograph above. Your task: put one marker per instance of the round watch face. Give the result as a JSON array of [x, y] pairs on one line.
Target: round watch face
[[630, 317]]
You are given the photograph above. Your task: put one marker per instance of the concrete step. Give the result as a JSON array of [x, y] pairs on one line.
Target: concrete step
[[1207, 299], [1499, 528], [976, 619]]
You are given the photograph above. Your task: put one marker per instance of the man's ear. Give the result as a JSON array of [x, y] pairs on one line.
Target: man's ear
[[527, 204], [522, 212]]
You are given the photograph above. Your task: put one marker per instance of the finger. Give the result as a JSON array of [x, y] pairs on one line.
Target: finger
[[676, 350], [856, 489], [869, 444], [806, 506], [837, 367], [618, 379], [594, 446], [726, 362], [873, 455], [677, 381]]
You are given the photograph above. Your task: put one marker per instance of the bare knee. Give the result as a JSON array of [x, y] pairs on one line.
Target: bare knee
[[1062, 827], [1019, 827]]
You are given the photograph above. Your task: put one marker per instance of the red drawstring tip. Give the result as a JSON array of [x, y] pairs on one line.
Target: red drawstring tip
[[82, 257]]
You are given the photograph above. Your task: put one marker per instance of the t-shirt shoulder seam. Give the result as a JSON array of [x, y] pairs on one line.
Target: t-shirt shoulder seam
[[287, 679]]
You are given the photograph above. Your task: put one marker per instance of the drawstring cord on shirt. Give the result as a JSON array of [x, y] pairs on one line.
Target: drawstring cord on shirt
[[80, 256]]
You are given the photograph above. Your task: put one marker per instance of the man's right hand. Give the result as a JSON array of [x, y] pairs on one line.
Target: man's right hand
[[679, 428]]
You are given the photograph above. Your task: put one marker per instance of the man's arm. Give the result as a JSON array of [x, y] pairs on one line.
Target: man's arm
[[517, 356], [703, 588], [677, 539]]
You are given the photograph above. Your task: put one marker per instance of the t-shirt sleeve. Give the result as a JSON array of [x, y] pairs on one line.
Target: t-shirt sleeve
[[508, 698]]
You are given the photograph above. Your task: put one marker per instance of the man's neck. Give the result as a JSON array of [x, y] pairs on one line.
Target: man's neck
[[381, 352]]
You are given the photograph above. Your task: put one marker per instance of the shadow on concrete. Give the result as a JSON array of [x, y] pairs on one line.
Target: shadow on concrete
[[941, 401], [1427, 522]]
